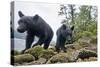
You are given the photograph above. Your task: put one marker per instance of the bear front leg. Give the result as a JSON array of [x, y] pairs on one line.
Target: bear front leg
[[29, 40]]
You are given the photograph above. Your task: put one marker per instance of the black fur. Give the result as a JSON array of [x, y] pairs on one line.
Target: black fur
[[63, 33], [35, 26]]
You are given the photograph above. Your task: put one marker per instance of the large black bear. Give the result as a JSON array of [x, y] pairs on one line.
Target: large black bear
[[35, 26], [64, 33]]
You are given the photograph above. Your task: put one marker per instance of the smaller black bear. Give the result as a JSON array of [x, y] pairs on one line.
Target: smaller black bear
[[35, 26], [64, 33]]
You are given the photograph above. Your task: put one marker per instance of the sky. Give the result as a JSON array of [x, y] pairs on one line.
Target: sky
[[49, 12]]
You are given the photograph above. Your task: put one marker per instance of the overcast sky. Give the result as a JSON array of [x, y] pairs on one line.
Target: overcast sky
[[48, 11]]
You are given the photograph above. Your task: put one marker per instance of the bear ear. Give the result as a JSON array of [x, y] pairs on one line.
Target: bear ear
[[36, 17], [72, 28], [64, 26], [20, 14]]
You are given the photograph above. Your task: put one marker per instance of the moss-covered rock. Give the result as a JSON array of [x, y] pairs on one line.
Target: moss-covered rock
[[39, 61], [36, 51], [79, 60], [84, 41], [74, 46], [15, 52], [93, 59], [23, 58], [82, 54], [47, 54], [59, 58], [93, 40], [92, 48], [74, 56]]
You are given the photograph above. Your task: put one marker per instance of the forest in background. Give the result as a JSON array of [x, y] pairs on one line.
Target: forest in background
[[83, 49], [83, 18]]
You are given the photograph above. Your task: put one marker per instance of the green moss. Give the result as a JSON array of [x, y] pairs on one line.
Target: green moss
[[36, 51], [47, 54], [59, 58], [93, 40], [84, 41], [82, 34], [79, 60], [23, 58], [15, 52], [87, 34]]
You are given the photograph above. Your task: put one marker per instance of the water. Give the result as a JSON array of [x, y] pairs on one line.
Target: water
[[19, 44]]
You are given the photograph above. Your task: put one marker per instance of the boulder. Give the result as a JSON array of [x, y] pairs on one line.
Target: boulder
[[82, 54], [84, 41], [23, 58], [74, 46], [39, 61], [35, 51], [93, 40], [86, 54], [59, 58]]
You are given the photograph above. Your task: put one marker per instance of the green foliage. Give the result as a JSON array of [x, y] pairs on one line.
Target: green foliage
[[84, 20], [79, 35]]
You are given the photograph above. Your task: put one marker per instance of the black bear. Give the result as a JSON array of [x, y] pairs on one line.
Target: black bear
[[64, 33], [35, 26]]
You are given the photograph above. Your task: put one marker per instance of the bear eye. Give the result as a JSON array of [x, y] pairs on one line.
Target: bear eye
[[20, 21]]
